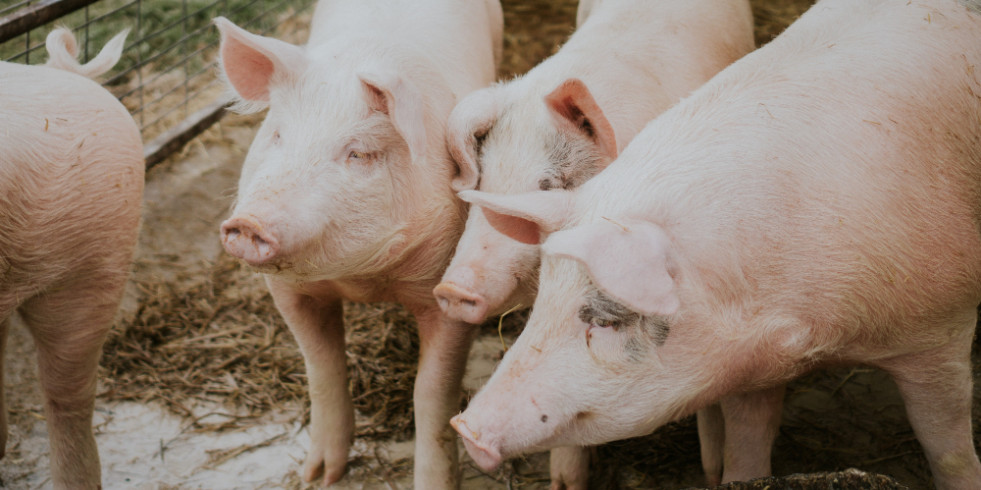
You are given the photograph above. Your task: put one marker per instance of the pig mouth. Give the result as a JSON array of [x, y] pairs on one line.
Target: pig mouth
[[267, 268], [485, 453]]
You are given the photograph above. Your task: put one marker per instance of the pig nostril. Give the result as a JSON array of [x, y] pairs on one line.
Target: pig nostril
[[246, 239], [460, 303], [544, 418]]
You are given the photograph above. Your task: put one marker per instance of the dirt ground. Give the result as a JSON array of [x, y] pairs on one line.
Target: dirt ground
[[202, 386]]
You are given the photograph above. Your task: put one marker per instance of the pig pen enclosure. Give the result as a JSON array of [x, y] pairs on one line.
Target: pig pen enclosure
[[201, 384]]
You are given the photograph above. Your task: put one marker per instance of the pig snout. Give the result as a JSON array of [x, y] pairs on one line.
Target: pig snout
[[246, 239], [485, 453], [461, 302]]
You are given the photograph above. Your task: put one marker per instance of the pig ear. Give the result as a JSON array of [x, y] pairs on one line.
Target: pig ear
[[524, 217], [470, 120], [574, 109], [251, 63], [396, 97], [629, 261]]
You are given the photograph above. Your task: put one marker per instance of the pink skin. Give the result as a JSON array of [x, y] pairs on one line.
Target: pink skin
[[793, 218], [564, 121], [71, 174], [345, 195]]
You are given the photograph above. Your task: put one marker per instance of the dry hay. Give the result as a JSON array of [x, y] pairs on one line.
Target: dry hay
[[533, 31], [850, 479], [771, 17], [216, 336]]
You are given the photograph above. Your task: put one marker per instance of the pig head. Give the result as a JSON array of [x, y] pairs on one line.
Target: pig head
[[337, 166], [581, 371], [561, 139]]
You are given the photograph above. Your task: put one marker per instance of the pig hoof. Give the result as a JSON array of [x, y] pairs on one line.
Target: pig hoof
[[562, 485], [314, 467]]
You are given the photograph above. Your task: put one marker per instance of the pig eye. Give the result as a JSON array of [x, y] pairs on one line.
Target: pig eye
[[362, 157], [276, 137], [596, 322]]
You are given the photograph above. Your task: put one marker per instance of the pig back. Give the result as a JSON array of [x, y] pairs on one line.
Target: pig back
[[460, 38], [71, 179], [841, 164]]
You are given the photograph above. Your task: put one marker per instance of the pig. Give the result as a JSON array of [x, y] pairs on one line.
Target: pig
[[818, 202], [567, 118], [71, 187], [564, 121], [345, 194]]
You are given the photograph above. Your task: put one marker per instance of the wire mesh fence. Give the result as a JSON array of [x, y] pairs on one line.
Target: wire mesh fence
[[167, 76]]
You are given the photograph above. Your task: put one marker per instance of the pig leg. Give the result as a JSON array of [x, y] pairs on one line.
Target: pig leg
[[711, 437], [444, 346], [936, 388], [69, 326], [751, 424], [318, 326], [4, 325], [569, 468]]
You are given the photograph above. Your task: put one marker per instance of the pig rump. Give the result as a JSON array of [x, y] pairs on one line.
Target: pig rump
[[71, 182]]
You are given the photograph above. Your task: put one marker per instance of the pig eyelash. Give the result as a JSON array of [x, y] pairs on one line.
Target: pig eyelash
[[360, 156], [604, 323]]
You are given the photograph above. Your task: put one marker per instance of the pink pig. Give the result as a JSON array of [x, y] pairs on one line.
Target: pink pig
[[567, 118], [345, 194], [818, 202], [71, 187], [560, 124]]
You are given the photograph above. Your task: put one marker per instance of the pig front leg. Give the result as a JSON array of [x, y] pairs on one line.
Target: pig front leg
[[751, 422], [936, 388], [569, 468], [444, 346], [69, 326], [736, 435], [317, 323]]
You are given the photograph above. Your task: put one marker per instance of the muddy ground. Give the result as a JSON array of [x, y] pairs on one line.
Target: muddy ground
[[202, 385]]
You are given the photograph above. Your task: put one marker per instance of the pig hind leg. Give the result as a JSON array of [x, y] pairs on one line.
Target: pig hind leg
[[569, 468], [752, 421], [936, 387], [444, 345], [69, 326], [318, 326], [4, 324]]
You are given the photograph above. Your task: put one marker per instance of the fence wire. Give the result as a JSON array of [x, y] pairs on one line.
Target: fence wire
[[167, 76]]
